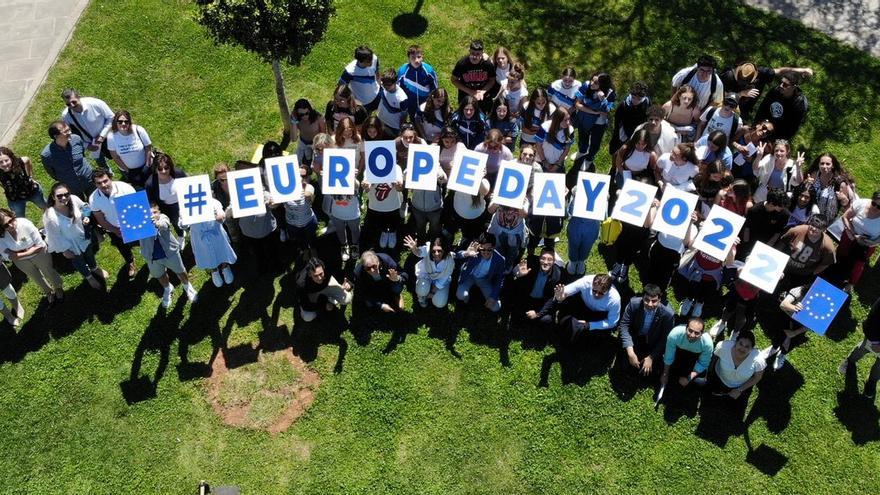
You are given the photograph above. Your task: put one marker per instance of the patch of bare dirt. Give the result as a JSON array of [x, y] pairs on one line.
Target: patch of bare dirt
[[237, 409]]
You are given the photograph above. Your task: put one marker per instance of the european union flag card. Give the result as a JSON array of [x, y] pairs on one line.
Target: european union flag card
[[821, 305], [135, 220]]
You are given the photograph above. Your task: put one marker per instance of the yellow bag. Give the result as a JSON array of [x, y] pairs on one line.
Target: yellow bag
[[609, 230]]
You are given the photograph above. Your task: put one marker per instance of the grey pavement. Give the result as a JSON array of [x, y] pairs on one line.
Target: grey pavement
[[32, 33], [854, 22]]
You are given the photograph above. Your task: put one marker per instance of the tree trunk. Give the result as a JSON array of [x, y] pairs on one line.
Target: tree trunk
[[282, 96]]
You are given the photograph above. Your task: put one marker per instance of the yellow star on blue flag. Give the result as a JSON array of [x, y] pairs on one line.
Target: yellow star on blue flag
[[821, 304], [135, 220]]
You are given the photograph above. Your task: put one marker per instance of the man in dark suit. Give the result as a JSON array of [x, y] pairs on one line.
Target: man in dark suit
[[484, 267], [643, 329], [533, 283]]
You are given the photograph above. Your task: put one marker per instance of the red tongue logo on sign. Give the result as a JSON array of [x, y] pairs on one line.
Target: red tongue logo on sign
[[382, 191]]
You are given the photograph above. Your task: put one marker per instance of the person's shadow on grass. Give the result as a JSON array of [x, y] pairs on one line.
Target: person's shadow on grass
[[856, 412], [773, 403], [157, 338], [203, 321], [589, 355]]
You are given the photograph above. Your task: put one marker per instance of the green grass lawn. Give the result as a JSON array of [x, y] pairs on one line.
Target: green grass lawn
[[106, 395]]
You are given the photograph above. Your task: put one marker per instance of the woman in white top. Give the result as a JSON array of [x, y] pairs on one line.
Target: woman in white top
[[494, 147], [468, 213], [68, 231], [563, 91], [21, 242], [131, 148], [859, 233], [449, 147], [555, 137], [433, 271], [636, 158], [738, 367], [383, 208], [777, 171], [435, 113], [535, 112], [679, 167]]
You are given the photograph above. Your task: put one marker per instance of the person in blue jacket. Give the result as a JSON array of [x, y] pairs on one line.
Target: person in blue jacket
[[417, 78], [483, 267]]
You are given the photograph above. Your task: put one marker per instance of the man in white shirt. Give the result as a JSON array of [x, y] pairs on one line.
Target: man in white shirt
[[104, 212], [596, 308], [704, 79], [90, 118]]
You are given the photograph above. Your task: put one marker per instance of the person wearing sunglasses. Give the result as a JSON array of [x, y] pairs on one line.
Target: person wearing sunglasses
[[379, 282], [21, 243], [102, 202], [785, 106], [69, 231], [596, 307], [484, 267], [306, 122], [131, 148]]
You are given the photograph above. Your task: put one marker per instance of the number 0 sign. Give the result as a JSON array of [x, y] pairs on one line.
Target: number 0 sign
[[764, 267], [719, 232], [674, 214]]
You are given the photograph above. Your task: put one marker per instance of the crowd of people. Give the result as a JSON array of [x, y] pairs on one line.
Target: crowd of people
[[724, 134]]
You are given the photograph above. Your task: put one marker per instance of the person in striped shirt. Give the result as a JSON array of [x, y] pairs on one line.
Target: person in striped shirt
[[362, 76]]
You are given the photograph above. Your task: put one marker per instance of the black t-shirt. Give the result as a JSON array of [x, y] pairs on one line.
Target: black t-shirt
[[731, 85], [473, 76], [786, 114], [762, 224]]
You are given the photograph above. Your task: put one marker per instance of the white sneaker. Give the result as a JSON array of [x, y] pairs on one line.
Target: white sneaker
[[734, 335], [215, 277], [166, 296], [345, 255], [685, 307], [844, 365], [698, 310], [717, 328], [392, 240], [227, 275], [191, 294], [780, 361], [581, 268], [571, 268], [423, 302]]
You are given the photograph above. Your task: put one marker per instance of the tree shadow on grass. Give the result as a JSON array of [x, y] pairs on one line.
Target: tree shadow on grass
[[651, 40], [410, 24], [157, 338]]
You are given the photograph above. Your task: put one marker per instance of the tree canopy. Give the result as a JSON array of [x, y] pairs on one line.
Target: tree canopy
[[273, 29]]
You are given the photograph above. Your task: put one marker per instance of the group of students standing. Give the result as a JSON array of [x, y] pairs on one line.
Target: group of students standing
[[703, 140]]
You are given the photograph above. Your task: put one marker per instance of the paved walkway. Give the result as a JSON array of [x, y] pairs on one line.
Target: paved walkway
[[32, 33], [856, 22]]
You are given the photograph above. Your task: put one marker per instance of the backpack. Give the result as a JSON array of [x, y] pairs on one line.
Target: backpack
[[733, 128], [690, 75]]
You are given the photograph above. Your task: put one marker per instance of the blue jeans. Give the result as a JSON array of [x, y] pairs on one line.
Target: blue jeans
[[582, 234], [84, 263], [18, 205]]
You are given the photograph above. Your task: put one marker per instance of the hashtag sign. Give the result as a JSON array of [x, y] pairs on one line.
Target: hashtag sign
[[193, 200]]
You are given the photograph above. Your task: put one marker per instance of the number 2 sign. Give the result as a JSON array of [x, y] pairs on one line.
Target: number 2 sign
[[719, 232], [634, 202], [764, 267]]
